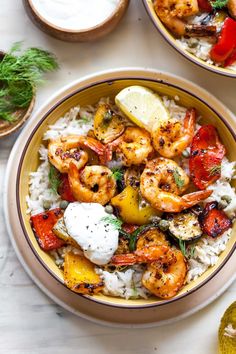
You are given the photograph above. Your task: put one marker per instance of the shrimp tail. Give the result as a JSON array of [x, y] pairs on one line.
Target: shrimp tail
[[190, 120], [95, 146], [192, 199]]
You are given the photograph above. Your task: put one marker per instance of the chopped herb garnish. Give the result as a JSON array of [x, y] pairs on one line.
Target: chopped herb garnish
[[178, 180], [84, 119], [54, 178], [182, 246], [117, 173], [218, 4], [192, 251], [114, 222], [215, 170], [19, 75], [134, 236]]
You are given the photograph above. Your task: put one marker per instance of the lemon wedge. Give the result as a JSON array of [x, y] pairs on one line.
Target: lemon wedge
[[142, 106]]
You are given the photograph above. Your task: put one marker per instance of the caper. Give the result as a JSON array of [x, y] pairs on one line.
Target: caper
[[222, 204], [156, 219], [227, 198], [46, 204], [186, 153], [164, 225], [109, 209], [64, 204]]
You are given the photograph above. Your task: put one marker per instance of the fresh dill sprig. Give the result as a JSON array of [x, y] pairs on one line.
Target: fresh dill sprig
[[182, 246], [54, 179], [215, 170], [114, 222], [20, 73], [178, 180], [117, 173], [218, 4]]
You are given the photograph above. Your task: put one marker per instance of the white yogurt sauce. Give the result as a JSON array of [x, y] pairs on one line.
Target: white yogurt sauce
[[75, 14], [97, 238]]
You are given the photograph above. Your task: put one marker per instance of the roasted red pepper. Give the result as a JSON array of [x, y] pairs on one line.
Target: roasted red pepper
[[129, 228], [64, 189], [231, 59], [214, 222], [42, 225], [205, 5], [206, 155], [226, 44]]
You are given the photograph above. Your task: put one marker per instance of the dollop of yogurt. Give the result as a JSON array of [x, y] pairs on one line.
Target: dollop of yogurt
[[96, 237]]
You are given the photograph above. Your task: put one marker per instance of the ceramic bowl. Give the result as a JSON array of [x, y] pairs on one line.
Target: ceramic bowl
[[168, 36], [21, 116], [88, 91], [89, 34]]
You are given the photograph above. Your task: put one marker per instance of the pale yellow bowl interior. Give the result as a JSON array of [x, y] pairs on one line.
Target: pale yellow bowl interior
[[92, 95], [172, 40]]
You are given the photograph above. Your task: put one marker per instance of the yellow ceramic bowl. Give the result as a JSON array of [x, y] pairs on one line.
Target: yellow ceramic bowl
[[173, 42], [89, 91]]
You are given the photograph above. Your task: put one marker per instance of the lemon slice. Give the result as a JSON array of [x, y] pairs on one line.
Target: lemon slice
[[142, 106], [227, 331]]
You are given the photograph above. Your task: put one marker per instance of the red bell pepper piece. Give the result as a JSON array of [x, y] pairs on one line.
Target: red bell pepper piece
[[206, 154], [64, 189], [129, 228], [42, 225], [214, 222], [205, 5], [231, 59], [226, 44]]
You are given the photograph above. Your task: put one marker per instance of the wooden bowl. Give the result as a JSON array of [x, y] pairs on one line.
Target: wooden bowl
[[21, 115], [88, 91], [89, 34], [170, 38]]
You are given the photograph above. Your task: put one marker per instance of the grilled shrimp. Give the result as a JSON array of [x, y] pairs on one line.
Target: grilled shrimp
[[63, 150], [156, 253], [133, 147], [165, 280], [231, 4], [94, 184], [173, 12], [162, 182], [170, 138]]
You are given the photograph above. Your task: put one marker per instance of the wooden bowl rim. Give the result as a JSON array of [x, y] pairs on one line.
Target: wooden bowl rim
[[122, 5]]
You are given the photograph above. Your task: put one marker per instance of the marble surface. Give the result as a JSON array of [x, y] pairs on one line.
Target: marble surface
[[30, 323]]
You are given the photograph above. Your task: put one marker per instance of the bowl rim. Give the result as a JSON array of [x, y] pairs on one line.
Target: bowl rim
[[121, 6], [97, 80], [194, 59]]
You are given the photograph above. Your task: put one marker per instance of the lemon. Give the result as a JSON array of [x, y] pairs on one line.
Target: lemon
[[142, 106]]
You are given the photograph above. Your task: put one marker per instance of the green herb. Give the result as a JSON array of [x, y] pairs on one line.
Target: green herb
[[215, 170], [218, 4], [84, 119], [192, 251], [117, 173], [114, 222], [134, 236], [182, 247], [54, 178], [178, 180], [20, 73]]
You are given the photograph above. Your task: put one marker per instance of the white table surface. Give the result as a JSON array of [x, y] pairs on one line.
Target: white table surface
[[30, 323]]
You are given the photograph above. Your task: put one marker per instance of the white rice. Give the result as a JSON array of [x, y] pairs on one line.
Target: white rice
[[126, 283]]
